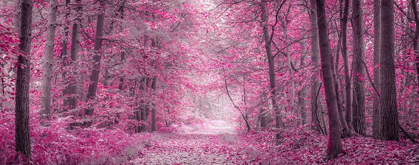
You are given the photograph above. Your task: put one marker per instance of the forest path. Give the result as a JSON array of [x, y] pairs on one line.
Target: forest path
[[209, 143]]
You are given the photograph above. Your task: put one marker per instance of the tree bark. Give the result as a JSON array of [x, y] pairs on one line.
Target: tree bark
[[121, 80], [348, 98], [48, 61], [376, 117], [64, 54], [315, 68], [72, 82], [24, 23], [270, 57], [302, 104], [94, 76], [416, 36], [358, 122], [153, 106], [389, 114], [344, 126], [334, 144]]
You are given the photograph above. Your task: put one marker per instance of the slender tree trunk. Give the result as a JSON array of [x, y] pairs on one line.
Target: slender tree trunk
[[266, 36], [376, 117], [48, 61], [153, 106], [315, 69], [389, 114], [416, 36], [72, 82], [344, 126], [64, 54], [94, 76], [24, 23], [334, 144], [348, 101], [358, 122], [121, 80], [301, 100], [291, 79]]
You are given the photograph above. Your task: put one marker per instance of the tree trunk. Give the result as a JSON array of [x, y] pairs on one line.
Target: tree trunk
[[48, 62], [315, 69], [376, 117], [153, 106], [348, 98], [358, 122], [389, 114], [344, 126], [94, 76], [415, 39], [64, 55], [121, 80], [334, 144], [291, 77], [266, 36], [24, 23], [72, 82], [302, 104]]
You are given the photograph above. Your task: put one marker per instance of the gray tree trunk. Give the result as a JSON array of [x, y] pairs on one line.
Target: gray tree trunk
[[376, 117], [302, 104], [94, 76], [266, 36], [64, 54], [48, 61], [348, 101], [315, 69], [389, 114], [334, 144], [24, 23], [344, 126], [72, 82], [153, 107], [358, 122], [415, 40]]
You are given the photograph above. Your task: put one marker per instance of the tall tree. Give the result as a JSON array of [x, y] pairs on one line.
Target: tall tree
[[264, 17], [334, 144], [153, 106], [24, 23], [315, 68], [48, 61], [71, 88], [389, 114], [376, 117], [416, 36], [344, 27], [358, 104], [64, 51], [346, 131], [94, 76]]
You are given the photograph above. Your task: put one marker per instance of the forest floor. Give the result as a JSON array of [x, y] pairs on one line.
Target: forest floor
[[210, 142], [214, 142]]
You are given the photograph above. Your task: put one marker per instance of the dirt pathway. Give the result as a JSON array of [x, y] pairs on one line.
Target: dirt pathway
[[208, 143]]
